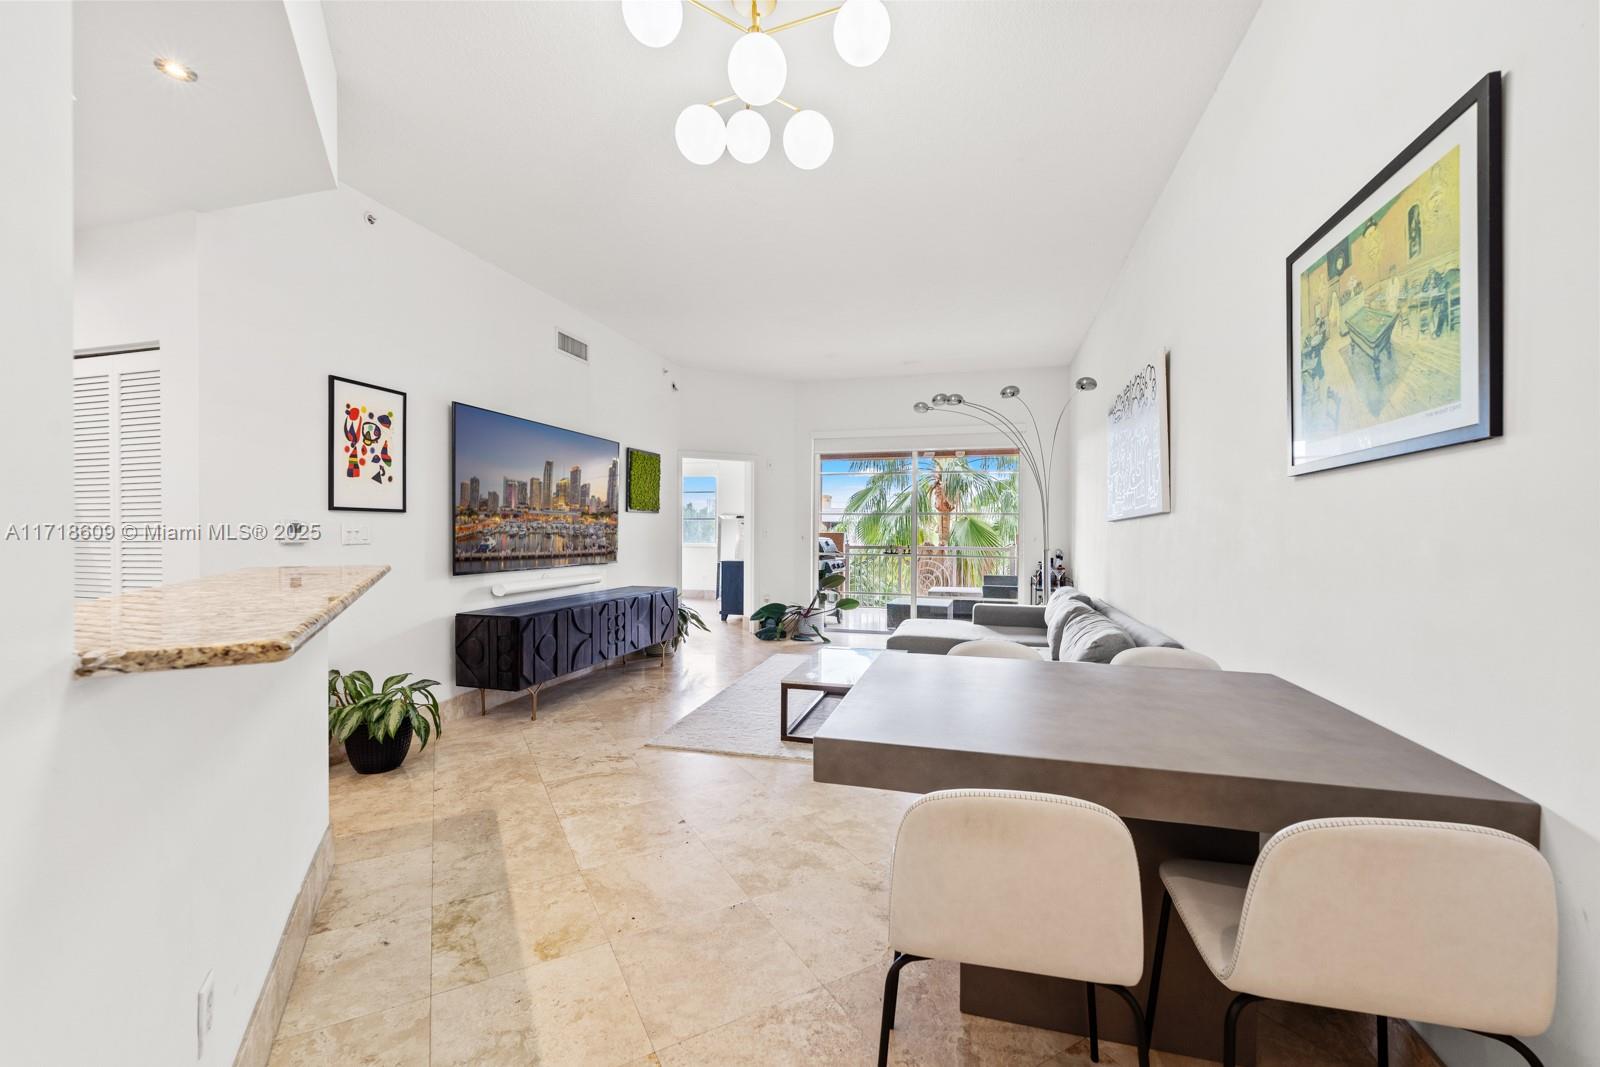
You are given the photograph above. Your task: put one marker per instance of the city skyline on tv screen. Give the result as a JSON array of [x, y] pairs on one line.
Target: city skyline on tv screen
[[529, 495]]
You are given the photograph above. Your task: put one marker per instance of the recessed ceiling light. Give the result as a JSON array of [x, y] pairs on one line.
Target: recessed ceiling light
[[175, 70]]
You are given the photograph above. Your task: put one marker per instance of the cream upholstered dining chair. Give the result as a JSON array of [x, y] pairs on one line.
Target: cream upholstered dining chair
[[1161, 656], [996, 648], [1437, 922], [1030, 882]]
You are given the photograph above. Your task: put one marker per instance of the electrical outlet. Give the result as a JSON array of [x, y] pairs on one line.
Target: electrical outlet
[[355, 535], [205, 1011]]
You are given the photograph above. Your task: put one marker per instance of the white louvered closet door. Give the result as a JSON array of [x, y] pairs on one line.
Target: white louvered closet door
[[116, 462]]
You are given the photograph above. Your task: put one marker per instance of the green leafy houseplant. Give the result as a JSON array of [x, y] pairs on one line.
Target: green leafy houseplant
[[687, 617], [376, 724], [803, 622]]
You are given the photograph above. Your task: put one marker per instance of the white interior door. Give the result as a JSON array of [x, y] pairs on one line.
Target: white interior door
[[117, 445]]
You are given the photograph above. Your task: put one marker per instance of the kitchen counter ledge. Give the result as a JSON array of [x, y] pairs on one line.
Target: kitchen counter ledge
[[253, 615]]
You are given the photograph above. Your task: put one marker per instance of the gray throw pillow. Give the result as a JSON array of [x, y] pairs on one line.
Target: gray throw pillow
[[1090, 637], [1060, 600], [1055, 625]]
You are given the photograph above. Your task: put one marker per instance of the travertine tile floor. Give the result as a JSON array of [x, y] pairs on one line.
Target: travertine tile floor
[[552, 892]]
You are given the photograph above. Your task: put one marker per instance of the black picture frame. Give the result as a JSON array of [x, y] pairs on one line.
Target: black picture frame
[[1487, 98], [334, 424]]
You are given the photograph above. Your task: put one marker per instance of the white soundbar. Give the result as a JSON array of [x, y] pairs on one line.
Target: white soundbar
[[512, 588]]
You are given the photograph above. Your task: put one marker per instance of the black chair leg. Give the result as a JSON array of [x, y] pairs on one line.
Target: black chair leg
[[1155, 967], [1230, 1027], [1506, 1039], [891, 993], [1094, 1023], [1383, 1041], [1141, 1025]]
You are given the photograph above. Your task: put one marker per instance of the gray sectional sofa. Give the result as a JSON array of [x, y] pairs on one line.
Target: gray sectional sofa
[[1091, 635]]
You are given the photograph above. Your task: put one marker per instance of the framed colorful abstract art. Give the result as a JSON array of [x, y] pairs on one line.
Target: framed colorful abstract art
[[366, 446], [1394, 304]]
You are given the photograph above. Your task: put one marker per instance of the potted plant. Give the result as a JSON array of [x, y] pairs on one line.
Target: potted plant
[[687, 617], [804, 622], [376, 725]]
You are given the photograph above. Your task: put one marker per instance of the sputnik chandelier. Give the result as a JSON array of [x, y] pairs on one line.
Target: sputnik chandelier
[[757, 71]]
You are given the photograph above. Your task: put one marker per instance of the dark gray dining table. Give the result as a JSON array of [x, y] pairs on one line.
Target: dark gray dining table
[[1200, 764]]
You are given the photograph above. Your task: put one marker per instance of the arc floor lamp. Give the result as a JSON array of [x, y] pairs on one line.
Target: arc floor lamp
[[1029, 442]]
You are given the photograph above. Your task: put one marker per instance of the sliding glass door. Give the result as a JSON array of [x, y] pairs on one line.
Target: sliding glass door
[[918, 534]]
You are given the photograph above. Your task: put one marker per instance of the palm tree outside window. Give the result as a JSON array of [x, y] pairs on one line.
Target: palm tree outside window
[[944, 527]]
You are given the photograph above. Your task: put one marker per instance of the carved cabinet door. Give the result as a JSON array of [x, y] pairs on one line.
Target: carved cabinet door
[[639, 623], [663, 616], [472, 651], [541, 648], [580, 638]]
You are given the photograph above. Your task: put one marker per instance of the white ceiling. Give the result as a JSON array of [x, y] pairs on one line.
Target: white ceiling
[[147, 145], [989, 174]]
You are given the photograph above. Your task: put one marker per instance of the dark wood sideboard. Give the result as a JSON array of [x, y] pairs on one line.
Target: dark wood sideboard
[[522, 646]]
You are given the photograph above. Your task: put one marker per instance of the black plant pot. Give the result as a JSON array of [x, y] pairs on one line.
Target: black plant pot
[[375, 757]]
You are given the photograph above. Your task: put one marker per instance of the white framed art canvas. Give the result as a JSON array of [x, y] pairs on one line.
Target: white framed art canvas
[[1138, 474]]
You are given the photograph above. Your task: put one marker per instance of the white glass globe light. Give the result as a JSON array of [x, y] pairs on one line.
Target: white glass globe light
[[808, 139], [653, 23], [861, 32], [701, 134], [748, 136], [757, 69]]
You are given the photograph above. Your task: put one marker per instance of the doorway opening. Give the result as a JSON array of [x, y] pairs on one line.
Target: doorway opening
[[716, 498]]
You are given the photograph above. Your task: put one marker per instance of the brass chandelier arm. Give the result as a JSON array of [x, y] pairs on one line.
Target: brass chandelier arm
[[792, 23], [719, 16], [731, 99]]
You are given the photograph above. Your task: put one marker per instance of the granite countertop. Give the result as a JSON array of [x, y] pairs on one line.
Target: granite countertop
[[255, 615]]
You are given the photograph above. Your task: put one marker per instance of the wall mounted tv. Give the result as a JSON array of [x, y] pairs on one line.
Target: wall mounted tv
[[527, 496]]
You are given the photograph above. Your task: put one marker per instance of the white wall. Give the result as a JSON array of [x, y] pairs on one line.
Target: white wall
[[1448, 595], [700, 561], [724, 414], [292, 290], [35, 487], [784, 424], [153, 827], [139, 282], [877, 412]]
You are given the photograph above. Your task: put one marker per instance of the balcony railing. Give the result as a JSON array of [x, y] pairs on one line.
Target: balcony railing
[[877, 574]]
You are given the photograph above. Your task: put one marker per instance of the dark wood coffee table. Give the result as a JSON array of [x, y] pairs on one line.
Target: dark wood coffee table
[[829, 674]]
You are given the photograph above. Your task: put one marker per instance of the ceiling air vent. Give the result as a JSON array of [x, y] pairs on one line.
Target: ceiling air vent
[[572, 346]]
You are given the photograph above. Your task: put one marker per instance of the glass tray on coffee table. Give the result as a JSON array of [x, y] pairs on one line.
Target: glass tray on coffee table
[[827, 677]]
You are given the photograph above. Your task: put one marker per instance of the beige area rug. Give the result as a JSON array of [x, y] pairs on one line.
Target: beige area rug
[[742, 720]]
